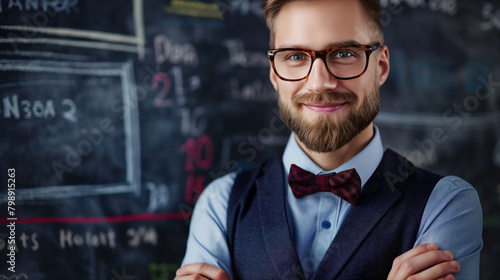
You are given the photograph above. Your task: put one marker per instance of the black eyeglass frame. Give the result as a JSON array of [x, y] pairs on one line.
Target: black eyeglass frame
[[369, 49]]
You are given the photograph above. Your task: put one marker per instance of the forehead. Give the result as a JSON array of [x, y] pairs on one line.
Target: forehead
[[320, 24]]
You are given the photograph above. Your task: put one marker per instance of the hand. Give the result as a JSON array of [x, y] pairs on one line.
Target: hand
[[424, 262], [198, 271]]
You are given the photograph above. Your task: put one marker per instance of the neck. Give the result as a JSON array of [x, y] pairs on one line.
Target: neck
[[332, 160]]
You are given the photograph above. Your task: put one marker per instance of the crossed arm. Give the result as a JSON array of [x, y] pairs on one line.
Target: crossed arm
[[454, 223], [424, 262]]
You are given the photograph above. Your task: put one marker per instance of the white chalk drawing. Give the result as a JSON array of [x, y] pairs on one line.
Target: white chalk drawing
[[123, 71], [84, 38]]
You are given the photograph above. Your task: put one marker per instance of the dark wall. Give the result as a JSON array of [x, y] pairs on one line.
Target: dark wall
[[114, 115]]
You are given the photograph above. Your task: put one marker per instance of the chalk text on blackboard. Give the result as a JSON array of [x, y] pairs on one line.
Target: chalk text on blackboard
[[199, 156], [238, 56], [159, 196], [163, 82], [491, 17], [104, 238], [246, 7], [194, 122], [39, 5], [175, 53], [449, 7], [12, 107], [255, 91], [142, 235], [24, 241]]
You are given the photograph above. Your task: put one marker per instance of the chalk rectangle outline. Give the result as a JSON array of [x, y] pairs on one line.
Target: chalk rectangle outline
[[105, 40], [131, 127]]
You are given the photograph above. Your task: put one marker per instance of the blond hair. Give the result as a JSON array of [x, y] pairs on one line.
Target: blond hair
[[372, 8]]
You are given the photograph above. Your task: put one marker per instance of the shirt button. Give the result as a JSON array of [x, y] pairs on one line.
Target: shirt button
[[326, 224]]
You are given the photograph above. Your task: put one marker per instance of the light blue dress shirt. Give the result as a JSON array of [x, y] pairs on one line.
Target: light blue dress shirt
[[452, 217]]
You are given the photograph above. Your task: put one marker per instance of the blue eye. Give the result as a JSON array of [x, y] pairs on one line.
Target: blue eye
[[343, 54], [297, 56]]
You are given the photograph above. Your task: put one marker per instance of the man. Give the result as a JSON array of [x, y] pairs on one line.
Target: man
[[327, 64]]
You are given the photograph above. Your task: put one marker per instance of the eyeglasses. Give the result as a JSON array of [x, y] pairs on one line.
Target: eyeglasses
[[343, 62]]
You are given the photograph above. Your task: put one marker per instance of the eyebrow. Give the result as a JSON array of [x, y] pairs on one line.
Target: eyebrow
[[336, 44]]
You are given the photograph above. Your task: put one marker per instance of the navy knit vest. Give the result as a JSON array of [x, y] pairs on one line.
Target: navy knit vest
[[382, 226]]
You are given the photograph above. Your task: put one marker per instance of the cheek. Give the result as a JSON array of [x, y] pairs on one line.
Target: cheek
[[288, 89], [364, 86]]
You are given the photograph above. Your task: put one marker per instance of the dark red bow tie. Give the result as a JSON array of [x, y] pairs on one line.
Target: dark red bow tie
[[345, 184]]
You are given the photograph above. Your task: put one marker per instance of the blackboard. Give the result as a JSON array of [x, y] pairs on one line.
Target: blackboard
[[114, 115]]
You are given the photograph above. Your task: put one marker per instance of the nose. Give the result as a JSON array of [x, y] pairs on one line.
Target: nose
[[320, 78]]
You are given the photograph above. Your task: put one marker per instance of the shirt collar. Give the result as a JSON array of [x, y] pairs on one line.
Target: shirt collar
[[365, 162]]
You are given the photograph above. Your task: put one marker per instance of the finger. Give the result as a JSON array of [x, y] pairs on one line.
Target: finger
[[192, 277], [447, 277], [440, 270], [203, 269], [418, 250], [423, 262]]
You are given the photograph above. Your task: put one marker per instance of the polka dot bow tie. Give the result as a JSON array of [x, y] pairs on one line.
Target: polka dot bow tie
[[345, 184]]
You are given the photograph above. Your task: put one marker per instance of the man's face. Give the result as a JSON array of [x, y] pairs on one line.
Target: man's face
[[324, 112]]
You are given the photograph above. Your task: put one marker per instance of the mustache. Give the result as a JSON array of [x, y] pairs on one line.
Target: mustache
[[325, 97]]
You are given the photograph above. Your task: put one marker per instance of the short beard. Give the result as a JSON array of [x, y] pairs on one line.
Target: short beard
[[327, 133]]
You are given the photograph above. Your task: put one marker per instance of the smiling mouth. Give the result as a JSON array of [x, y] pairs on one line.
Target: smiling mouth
[[325, 107]]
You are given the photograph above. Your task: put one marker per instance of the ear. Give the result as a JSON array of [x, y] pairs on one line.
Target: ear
[[272, 77], [384, 65]]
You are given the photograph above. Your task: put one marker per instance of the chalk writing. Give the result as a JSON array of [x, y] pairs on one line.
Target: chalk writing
[[163, 82], [193, 121], [426, 73], [160, 100], [491, 17], [256, 90], [457, 116], [246, 7], [69, 114], [70, 239], [159, 196], [48, 9], [195, 185], [199, 154], [142, 236], [39, 5], [449, 7], [179, 84], [24, 241], [136, 237], [14, 108], [238, 56], [175, 53]]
